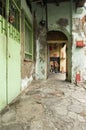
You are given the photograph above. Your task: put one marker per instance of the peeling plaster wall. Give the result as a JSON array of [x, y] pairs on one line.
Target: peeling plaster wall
[[41, 55], [56, 14], [79, 53], [27, 67]]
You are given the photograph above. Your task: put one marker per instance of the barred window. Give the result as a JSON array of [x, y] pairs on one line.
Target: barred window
[[3, 8], [14, 13], [28, 41]]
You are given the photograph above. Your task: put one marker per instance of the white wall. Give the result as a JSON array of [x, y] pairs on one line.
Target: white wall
[[78, 54], [40, 62]]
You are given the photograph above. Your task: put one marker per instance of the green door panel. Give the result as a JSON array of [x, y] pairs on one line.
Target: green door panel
[[2, 71], [10, 74], [14, 74]]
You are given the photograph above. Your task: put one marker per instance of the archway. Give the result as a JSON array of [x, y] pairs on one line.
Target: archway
[[59, 53]]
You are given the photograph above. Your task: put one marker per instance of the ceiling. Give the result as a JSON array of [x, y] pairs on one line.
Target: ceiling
[[79, 3]]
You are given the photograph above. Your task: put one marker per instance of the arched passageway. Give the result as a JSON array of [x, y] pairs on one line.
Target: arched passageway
[[57, 53]]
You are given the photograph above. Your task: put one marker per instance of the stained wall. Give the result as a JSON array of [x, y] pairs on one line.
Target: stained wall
[[27, 66], [79, 49], [59, 19]]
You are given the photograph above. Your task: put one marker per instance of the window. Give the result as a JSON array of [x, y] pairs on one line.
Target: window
[[28, 41], [14, 13], [3, 8]]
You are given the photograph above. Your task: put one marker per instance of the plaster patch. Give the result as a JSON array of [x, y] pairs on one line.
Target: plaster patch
[[25, 82]]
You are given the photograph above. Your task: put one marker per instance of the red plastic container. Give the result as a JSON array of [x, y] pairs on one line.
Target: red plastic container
[[80, 44]]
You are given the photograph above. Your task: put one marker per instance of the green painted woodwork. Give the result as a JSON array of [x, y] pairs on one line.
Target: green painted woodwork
[[2, 25], [2, 63], [14, 13], [10, 74], [13, 60], [13, 33], [17, 4], [14, 74], [10, 66], [28, 40], [2, 71]]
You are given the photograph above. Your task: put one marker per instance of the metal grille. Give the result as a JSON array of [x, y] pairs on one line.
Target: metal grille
[[3, 8], [14, 13], [28, 41]]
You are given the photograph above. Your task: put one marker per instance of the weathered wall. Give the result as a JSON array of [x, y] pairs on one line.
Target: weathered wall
[[57, 15], [27, 67], [41, 55], [41, 46], [79, 53], [59, 19], [63, 59]]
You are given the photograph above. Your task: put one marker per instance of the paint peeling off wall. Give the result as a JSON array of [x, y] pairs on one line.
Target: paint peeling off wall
[[55, 13], [41, 55], [27, 65], [25, 82], [79, 46], [40, 61]]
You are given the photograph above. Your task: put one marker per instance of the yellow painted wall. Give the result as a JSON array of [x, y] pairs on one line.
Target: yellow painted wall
[[58, 51], [63, 59]]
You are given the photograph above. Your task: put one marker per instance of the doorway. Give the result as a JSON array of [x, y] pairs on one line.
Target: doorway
[[57, 54], [10, 72]]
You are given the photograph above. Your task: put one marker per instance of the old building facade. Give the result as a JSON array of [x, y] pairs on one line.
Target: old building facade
[[28, 48]]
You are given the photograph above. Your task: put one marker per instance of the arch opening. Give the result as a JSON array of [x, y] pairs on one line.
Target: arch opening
[[58, 53]]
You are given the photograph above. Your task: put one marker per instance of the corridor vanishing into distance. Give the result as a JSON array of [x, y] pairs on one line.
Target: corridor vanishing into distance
[[51, 104]]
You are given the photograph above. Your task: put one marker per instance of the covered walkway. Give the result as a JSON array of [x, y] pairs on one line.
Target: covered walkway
[[52, 104]]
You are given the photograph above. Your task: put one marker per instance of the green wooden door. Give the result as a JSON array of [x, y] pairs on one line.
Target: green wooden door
[[2, 71], [14, 74], [3, 78], [10, 74]]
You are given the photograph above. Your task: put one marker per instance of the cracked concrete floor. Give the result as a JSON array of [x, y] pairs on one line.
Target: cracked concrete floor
[[51, 104]]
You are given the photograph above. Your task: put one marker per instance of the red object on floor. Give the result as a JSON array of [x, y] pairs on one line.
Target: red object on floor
[[78, 77]]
